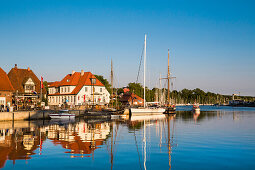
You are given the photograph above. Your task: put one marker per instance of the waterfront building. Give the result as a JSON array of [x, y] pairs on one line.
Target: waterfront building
[[6, 90], [131, 99], [27, 87], [78, 88]]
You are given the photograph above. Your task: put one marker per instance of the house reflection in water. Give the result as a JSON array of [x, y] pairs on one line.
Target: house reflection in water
[[81, 138], [19, 144]]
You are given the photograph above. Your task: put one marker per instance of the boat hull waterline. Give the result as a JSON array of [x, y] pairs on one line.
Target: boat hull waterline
[[62, 116], [147, 111]]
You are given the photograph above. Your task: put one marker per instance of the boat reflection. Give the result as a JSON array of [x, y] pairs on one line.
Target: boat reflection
[[81, 138], [160, 122]]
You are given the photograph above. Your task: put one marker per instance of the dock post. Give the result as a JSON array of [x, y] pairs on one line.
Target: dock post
[[29, 116]]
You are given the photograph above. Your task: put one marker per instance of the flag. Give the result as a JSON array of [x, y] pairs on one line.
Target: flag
[[41, 82]]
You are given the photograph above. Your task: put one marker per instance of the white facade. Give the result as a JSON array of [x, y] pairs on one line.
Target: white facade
[[84, 96]]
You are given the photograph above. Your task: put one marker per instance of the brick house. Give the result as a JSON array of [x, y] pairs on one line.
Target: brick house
[[27, 86], [131, 99], [6, 89]]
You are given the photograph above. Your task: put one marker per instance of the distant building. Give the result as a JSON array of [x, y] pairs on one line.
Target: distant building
[[77, 89], [27, 86], [131, 99], [6, 89]]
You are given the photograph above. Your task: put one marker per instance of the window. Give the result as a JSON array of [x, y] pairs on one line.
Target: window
[[101, 90], [86, 89], [29, 87], [93, 81], [65, 89], [68, 89]]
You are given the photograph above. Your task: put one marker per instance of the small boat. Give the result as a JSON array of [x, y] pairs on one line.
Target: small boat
[[62, 114], [196, 108], [170, 109]]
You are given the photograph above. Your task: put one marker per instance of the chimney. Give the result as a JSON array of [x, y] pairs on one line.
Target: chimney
[[82, 72], [73, 72], [16, 66], [28, 69]]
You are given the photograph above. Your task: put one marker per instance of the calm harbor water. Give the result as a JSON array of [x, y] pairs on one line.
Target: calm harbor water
[[217, 138]]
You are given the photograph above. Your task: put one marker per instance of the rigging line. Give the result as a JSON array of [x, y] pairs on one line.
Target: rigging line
[[139, 66], [137, 150]]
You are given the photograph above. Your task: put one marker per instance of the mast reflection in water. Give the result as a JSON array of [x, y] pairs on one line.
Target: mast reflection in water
[[182, 141]]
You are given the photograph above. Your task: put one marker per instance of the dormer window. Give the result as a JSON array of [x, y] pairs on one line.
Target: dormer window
[[93, 81], [67, 80]]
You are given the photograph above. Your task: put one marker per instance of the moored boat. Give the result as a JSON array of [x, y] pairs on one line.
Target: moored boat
[[196, 108], [170, 109], [145, 110], [62, 114]]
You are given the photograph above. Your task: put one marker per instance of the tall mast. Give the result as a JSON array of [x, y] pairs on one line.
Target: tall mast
[[112, 82], [168, 81], [160, 90], [144, 70]]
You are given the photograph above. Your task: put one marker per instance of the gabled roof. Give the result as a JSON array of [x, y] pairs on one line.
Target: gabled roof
[[19, 76], [77, 79], [5, 83], [54, 84], [129, 96]]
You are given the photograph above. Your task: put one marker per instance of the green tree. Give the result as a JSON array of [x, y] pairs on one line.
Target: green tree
[[105, 83]]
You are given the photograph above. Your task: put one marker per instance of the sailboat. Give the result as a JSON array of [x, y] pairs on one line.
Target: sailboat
[[146, 110], [170, 109]]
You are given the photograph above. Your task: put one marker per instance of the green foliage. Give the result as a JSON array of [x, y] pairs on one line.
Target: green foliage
[[105, 83], [136, 88], [186, 96]]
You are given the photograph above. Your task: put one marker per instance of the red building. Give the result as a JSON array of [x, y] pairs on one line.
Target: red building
[[131, 99], [6, 90]]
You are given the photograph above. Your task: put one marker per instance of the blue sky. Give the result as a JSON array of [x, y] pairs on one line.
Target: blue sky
[[211, 42]]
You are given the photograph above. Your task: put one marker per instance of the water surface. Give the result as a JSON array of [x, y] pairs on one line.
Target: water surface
[[217, 138]]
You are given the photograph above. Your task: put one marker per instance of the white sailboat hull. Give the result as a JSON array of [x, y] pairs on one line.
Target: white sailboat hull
[[62, 116], [146, 111]]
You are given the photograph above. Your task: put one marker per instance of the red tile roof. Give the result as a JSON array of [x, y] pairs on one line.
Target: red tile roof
[[129, 96], [77, 80], [54, 84], [19, 76], [5, 84]]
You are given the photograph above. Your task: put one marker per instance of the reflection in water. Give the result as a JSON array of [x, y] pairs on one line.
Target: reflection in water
[[142, 140], [161, 122], [17, 144], [79, 138]]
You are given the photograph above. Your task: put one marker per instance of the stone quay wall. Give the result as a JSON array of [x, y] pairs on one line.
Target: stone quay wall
[[32, 115]]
